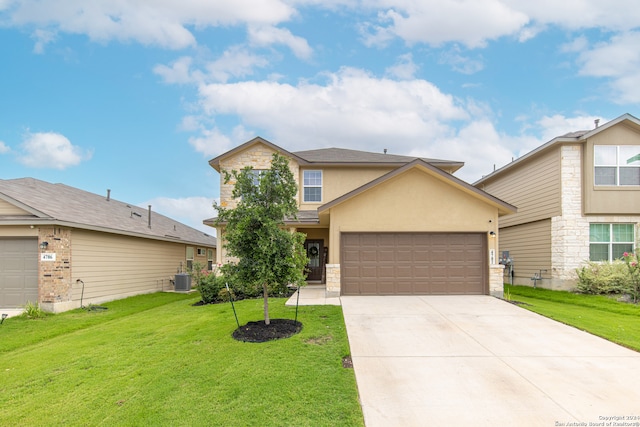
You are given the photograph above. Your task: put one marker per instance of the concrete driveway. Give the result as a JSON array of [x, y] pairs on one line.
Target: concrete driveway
[[480, 361]]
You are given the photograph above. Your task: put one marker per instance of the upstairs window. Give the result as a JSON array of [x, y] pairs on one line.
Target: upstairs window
[[256, 175], [312, 186], [607, 242], [617, 165]]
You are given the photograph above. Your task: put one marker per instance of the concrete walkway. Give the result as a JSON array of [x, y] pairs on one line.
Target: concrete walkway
[[312, 295], [480, 361]]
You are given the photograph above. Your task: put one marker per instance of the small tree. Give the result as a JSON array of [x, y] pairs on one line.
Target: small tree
[[268, 255]]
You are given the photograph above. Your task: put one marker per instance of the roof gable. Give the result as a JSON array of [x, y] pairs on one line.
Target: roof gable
[[336, 156], [571, 137], [503, 207], [215, 162], [69, 206]]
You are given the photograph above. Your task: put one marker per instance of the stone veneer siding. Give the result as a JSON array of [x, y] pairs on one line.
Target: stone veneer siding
[[54, 281], [570, 232], [333, 280], [496, 282], [259, 157]]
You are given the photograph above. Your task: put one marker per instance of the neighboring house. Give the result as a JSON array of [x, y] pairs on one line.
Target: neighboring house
[[54, 237], [578, 199], [383, 224]]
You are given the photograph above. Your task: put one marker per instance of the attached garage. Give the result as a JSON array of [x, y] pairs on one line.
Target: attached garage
[[18, 271], [414, 264]]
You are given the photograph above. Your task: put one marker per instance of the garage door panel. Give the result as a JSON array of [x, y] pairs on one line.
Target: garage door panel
[[413, 263], [18, 271]]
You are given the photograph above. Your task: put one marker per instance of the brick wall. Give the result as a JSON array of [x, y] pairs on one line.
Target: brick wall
[[55, 275]]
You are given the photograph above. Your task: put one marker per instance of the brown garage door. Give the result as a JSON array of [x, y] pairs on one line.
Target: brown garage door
[[18, 271], [413, 264]]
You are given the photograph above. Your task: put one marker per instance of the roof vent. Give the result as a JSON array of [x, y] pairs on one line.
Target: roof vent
[[108, 194], [597, 122], [385, 151]]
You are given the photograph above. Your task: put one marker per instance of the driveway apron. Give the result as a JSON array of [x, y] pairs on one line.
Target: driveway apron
[[481, 361]]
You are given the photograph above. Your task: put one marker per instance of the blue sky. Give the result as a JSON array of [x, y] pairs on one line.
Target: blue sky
[[136, 96]]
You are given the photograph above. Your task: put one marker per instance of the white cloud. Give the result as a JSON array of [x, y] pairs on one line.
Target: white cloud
[[212, 142], [179, 72], [235, 62], [163, 23], [352, 109], [4, 148], [617, 60], [461, 64], [190, 211], [50, 150], [404, 68], [42, 38], [269, 35], [559, 125], [469, 22]]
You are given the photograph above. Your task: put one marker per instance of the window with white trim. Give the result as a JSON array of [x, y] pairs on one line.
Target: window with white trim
[[607, 242], [189, 258], [312, 186], [256, 174], [210, 259], [616, 165]]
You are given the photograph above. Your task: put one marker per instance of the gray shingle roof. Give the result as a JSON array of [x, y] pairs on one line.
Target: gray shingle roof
[[343, 155], [61, 204]]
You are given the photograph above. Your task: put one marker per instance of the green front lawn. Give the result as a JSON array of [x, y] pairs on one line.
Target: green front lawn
[[158, 360], [616, 321]]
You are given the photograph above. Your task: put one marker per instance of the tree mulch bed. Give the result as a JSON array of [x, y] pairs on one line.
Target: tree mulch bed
[[260, 332]]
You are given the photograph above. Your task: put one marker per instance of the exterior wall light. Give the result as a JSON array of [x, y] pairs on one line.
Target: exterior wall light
[[44, 245], [492, 234]]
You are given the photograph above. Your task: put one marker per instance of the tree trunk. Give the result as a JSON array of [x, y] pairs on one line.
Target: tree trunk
[[265, 294]]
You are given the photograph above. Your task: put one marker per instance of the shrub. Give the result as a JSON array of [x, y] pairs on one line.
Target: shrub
[[210, 286], [32, 310], [631, 260], [603, 278]]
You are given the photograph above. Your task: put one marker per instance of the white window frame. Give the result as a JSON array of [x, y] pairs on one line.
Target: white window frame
[[189, 257], [306, 183], [210, 259], [201, 252], [621, 163], [611, 243]]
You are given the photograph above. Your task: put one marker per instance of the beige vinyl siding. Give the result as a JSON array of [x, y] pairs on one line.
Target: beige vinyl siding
[[114, 266], [529, 247], [609, 200], [7, 209], [534, 188]]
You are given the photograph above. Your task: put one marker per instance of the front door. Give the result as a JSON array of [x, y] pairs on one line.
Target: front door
[[314, 250]]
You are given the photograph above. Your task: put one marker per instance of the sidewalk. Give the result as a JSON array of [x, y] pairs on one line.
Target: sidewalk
[[312, 295]]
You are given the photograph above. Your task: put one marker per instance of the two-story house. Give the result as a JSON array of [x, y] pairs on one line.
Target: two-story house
[[383, 224], [578, 199]]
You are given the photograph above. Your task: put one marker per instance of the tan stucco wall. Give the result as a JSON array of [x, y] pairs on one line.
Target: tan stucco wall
[[609, 200], [413, 201], [339, 181]]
